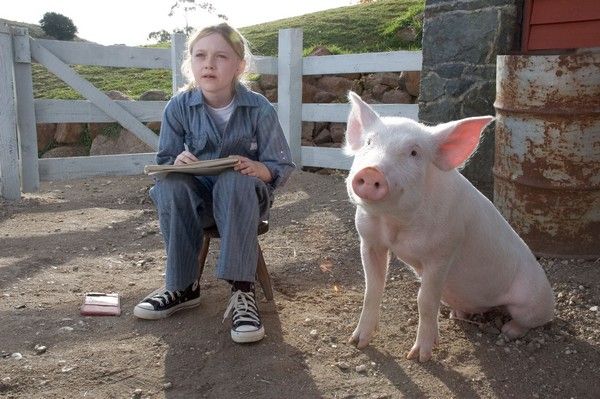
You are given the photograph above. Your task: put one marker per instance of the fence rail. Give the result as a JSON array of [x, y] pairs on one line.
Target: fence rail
[[20, 168]]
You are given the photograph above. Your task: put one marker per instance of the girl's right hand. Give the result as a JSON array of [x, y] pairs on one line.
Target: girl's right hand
[[184, 158]]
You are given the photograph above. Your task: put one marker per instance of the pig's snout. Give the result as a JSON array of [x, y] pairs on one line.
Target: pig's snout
[[370, 184]]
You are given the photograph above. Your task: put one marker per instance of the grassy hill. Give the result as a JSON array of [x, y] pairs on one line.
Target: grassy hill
[[371, 27]]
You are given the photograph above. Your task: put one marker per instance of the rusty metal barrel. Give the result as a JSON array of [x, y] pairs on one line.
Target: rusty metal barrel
[[547, 151]]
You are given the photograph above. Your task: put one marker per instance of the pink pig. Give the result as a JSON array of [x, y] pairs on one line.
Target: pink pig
[[411, 200]]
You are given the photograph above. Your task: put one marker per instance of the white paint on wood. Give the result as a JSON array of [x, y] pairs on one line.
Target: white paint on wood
[[28, 149], [98, 165], [85, 53], [86, 89], [324, 157], [289, 89], [392, 61], [263, 65], [10, 184], [75, 111], [339, 112], [177, 53]]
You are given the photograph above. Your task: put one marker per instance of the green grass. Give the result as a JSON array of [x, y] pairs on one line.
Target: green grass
[[353, 29], [361, 28]]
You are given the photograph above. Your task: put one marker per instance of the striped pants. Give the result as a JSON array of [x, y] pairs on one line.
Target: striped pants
[[186, 204]]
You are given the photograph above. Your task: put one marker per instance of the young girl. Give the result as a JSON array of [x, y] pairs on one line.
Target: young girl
[[214, 117]]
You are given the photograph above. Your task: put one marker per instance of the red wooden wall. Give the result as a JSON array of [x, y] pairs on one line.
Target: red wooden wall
[[560, 25]]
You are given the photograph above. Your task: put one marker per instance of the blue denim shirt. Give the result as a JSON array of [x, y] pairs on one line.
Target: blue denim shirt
[[253, 131]]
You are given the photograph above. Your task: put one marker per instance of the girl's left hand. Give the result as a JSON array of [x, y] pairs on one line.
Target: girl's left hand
[[253, 168]]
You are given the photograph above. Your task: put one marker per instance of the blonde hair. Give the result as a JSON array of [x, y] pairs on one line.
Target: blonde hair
[[231, 35]]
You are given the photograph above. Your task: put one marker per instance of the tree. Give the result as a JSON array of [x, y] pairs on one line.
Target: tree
[[187, 8], [58, 26]]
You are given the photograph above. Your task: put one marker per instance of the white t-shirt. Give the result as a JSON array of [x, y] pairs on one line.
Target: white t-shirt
[[221, 115]]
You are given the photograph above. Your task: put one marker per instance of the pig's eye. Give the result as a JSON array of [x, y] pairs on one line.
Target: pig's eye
[[413, 153], [369, 141]]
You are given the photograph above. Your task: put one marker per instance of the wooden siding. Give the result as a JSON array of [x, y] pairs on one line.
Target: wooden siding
[[559, 25]]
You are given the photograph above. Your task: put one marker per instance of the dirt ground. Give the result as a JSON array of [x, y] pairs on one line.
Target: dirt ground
[[102, 234]]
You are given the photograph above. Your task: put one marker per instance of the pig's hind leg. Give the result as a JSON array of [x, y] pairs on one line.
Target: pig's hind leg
[[532, 305]]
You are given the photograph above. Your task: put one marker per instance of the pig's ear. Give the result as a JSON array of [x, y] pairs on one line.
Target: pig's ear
[[456, 141], [361, 117]]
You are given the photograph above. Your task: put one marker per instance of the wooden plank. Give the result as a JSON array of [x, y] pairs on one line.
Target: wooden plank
[[98, 165], [10, 184], [86, 89], [76, 111], [325, 157], [558, 11], [30, 177], [289, 89], [263, 65], [177, 53], [339, 112], [564, 36], [369, 62], [85, 53]]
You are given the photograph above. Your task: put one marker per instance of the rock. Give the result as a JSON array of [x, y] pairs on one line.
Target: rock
[[308, 92], [396, 96], [39, 349], [338, 132], [361, 368], [16, 356], [323, 97], [271, 95], [307, 130], [313, 333], [154, 126], [268, 82], [411, 81], [594, 308], [68, 133], [65, 329], [116, 95], [45, 134], [154, 95], [324, 136], [320, 51], [379, 90], [125, 143], [137, 394], [167, 385], [343, 366], [66, 151], [336, 85]]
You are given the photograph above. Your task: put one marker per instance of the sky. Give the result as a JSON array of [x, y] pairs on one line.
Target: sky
[[130, 21]]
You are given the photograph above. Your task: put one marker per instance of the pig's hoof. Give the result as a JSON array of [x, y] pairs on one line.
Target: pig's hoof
[[360, 340], [513, 330], [417, 352]]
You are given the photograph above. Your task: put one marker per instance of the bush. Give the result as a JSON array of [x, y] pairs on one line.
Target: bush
[[58, 26]]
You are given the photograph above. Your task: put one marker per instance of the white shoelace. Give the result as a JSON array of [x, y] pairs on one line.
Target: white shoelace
[[243, 306], [166, 297]]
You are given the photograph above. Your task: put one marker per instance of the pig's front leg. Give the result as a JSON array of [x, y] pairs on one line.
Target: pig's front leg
[[428, 301], [375, 261]]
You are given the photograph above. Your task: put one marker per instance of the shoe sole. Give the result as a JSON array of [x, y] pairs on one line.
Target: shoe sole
[[162, 314], [247, 337]]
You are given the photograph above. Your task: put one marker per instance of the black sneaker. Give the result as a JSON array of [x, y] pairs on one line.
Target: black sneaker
[[159, 305], [246, 325]]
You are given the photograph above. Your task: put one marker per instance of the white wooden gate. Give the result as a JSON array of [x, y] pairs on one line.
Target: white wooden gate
[[20, 168]]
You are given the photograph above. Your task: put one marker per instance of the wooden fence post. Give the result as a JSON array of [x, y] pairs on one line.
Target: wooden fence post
[[30, 173], [177, 52], [289, 89], [10, 185]]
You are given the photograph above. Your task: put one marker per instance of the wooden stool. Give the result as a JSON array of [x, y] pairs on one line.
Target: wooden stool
[[262, 275]]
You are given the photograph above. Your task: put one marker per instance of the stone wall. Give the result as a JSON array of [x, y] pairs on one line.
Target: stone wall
[[461, 39]]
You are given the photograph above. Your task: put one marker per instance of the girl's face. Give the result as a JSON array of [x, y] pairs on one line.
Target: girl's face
[[215, 67]]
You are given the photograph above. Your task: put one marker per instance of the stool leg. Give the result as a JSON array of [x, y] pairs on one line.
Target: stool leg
[[203, 253], [263, 276]]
